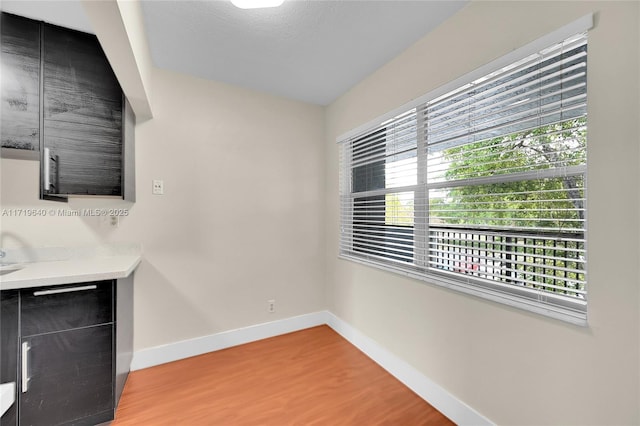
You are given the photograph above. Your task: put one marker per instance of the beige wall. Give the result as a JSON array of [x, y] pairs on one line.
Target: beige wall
[[512, 366], [241, 221]]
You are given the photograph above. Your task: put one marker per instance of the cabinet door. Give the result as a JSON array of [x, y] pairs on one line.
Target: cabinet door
[[20, 82], [69, 377], [82, 116], [9, 349]]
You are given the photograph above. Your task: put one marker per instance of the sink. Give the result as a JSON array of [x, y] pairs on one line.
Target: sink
[[7, 396], [7, 268]]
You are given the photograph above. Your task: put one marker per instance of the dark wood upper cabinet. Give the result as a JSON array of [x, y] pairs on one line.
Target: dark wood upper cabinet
[[82, 116], [62, 102], [20, 82]]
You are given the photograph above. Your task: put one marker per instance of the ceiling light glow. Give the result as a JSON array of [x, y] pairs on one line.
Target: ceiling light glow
[[256, 4]]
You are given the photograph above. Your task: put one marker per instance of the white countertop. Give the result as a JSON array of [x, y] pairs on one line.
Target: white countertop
[[96, 266]]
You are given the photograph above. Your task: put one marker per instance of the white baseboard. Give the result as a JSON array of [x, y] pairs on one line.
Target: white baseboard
[[200, 345], [446, 403], [456, 410]]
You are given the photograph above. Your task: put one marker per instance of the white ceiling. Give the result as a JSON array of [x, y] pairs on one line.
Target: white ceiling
[[308, 50]]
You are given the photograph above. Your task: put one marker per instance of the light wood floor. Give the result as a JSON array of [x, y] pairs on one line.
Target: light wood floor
[[310, 377]]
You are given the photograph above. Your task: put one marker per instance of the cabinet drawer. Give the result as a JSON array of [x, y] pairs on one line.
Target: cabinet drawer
[[58, 308]]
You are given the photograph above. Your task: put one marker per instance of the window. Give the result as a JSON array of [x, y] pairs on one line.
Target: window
[[480, 187]]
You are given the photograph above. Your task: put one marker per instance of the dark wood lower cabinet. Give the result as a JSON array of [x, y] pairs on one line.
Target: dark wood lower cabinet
[[68, 348], [70, 377], [9, 346]]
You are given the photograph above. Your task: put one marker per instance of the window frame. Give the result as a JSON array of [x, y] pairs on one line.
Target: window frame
[[520, 297]]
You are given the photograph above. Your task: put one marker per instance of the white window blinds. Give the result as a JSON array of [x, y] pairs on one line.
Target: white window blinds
[[482, 188]]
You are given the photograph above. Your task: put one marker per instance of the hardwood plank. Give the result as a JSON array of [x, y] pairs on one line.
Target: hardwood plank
[[310, 377]]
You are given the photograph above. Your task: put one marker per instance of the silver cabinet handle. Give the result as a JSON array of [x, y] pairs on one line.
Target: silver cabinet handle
[[47, 169], [64, 290], [25, 366]]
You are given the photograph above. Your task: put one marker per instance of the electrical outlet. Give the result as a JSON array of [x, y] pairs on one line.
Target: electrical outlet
[[158, 187], [271, 306]]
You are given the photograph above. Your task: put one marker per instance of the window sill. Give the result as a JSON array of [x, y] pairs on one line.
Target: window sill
[[555, 312]]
